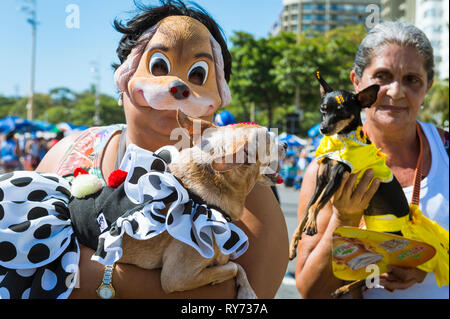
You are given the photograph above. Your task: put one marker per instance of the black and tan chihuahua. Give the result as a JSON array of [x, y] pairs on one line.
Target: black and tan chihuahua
[[341, 114]]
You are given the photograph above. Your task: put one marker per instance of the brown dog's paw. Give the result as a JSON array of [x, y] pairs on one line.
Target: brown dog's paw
[[296, 238], [293, 247], [246, 293], [310, 227], [244, 289]]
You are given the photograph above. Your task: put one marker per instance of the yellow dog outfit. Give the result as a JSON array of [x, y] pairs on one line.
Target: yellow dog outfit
[[353, 150]]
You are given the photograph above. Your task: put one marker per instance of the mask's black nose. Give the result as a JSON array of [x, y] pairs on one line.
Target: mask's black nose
[[179, 90], [284, 145]]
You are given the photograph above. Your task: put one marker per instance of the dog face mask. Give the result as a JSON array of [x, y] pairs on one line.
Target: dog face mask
[[178, 65]]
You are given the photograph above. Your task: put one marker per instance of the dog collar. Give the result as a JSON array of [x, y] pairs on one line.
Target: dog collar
[[198, 200]]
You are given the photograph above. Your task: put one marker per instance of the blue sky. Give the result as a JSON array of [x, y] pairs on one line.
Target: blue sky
[[65, 55]]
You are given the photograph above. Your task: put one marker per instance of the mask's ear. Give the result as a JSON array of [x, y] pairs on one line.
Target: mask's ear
[[124, 73], [222, 85], [324, 87], [195, 127], [368, 96]]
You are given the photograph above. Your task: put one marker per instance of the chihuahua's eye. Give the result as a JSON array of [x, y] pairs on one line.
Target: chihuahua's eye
[[198, 73], [159, 65]]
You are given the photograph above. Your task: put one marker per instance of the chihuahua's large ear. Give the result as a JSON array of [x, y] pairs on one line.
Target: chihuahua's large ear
[[195, 127], [368, 96], [324, 87], [230, 161]]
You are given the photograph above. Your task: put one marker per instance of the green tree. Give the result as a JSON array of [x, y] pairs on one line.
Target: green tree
[[436, 104], [6, 104], [41, 103], [252, 80], [63, 96], [84, 109], [58, 114], [331, 52], [65, 105]]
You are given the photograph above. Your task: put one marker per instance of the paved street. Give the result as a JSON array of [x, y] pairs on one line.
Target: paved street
[[289, 200]]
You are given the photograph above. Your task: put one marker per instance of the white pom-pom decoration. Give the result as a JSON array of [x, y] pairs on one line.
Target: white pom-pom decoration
[[85, 184]]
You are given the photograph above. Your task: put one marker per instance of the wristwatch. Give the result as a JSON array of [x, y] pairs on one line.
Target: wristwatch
[[106, 289]]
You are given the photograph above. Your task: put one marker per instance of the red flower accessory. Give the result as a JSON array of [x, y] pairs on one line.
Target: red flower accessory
[[116, 178], [79, 171]]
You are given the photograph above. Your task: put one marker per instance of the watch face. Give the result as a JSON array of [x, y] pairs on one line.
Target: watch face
[[105, 292]]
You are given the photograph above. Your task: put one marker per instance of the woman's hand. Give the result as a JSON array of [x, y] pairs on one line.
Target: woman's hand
[[401, 278], [349, 202]]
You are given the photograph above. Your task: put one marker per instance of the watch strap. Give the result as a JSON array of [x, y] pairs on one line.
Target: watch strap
[[107, 275], [107, 281]]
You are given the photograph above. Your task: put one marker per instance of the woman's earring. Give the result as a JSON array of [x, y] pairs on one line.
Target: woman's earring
[[120, 101]]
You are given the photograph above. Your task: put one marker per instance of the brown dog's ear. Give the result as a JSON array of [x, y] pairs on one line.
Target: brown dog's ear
[[222, 166], [195, 127], [228, 162], [368, 96]]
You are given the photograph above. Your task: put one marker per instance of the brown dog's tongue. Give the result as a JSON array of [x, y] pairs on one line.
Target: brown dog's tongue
[[280, 179]]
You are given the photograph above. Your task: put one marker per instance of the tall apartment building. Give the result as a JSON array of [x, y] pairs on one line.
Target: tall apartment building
[[432, 17], [321, 15]]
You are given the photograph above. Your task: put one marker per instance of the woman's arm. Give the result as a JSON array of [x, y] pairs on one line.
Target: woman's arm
[[267, 257], [314, 275], [50, 162], [133, 282]]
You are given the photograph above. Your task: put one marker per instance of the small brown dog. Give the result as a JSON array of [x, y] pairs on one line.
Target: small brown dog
[[222, 176]]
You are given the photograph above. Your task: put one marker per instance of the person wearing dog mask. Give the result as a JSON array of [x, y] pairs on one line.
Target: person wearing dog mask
[[398, 57], [171, 57]]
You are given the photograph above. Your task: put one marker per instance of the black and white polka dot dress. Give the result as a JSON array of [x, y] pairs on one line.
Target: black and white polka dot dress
[[41, 223], [39, 254]]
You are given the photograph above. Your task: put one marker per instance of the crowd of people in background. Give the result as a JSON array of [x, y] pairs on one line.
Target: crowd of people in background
[[294, 166], [24, 151]]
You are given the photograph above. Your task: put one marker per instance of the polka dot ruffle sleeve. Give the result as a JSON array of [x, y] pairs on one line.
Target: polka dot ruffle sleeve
[[39, 254]]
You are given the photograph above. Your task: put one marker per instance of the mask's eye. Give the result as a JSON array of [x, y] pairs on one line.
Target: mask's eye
[[198, 73], [159, 65]]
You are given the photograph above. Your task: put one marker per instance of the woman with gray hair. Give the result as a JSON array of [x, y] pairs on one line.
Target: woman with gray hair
[[398, 57]]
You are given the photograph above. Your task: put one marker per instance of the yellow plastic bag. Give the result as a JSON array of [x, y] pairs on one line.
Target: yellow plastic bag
[[355, 249], [419, 228]]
